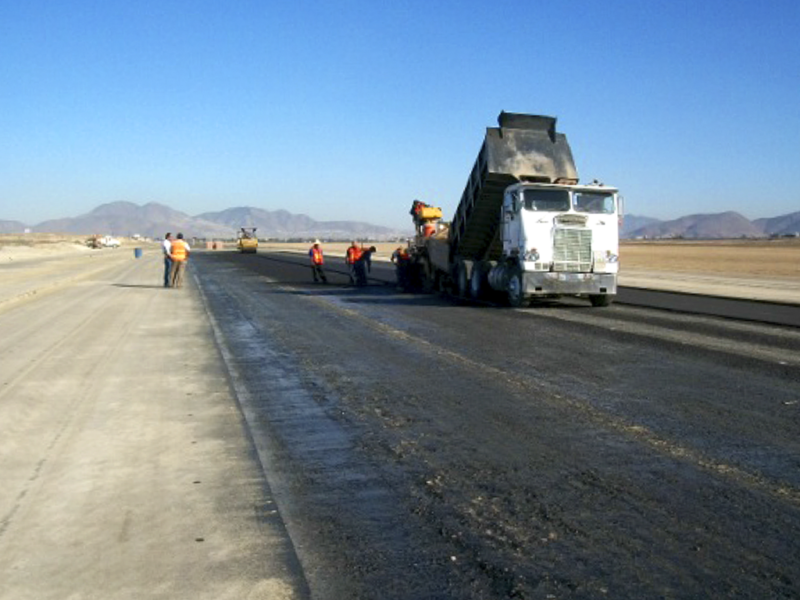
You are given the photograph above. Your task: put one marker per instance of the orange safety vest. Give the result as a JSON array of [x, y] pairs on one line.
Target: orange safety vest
[[353, 254], [178, 251], [316, 256]]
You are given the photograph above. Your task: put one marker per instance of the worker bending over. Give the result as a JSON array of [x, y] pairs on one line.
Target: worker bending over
[[401, 259], [351, 258], [363, 265]]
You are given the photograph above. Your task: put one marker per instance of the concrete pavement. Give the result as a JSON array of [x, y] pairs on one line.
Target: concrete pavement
[[766, 290], [127, 469]]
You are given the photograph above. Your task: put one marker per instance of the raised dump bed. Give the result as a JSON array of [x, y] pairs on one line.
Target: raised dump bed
[[523, 148]]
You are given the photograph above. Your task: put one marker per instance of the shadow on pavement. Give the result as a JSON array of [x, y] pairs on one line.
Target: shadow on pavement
[[133, 285]]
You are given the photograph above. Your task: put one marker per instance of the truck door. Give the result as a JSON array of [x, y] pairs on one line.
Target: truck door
[[510, 223]]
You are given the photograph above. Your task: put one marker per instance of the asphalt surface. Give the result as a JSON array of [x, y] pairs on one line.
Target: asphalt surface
[[418, 447], [717, 306]]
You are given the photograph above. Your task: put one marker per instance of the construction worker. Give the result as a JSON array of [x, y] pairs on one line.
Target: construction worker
[[166, 249], [179, 253], [351, 258], [401, 258], [363, 265], [317, 260]]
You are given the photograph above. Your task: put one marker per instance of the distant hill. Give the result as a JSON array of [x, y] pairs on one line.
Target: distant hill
[[273, 221], [12, 227], [153, 220], [282, 224], [704, 226], [632, 223], [127, 218], [785, 225]]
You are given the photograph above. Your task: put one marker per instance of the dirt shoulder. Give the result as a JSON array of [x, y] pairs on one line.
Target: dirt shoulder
[[37, 246], [767, 270], [752, 259]]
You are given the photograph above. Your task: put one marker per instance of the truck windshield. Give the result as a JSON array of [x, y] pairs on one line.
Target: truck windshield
[[602, 204], [546, 200]]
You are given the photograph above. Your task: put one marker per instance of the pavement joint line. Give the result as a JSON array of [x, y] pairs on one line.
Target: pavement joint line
[[632, 430], [245, 403]]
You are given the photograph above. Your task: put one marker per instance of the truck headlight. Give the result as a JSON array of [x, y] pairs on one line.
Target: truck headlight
[[611, 257]]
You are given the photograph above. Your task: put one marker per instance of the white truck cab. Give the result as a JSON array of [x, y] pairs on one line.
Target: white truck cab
[[562, 240]]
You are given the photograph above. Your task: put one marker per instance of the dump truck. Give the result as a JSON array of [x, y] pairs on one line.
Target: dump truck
[[247, 240], [524, 228]]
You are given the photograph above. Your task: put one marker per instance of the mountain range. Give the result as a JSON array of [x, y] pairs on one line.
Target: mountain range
[[153, 220], [726, 225]]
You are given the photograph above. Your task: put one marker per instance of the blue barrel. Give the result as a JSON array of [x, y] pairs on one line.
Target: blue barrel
[[137, 252]]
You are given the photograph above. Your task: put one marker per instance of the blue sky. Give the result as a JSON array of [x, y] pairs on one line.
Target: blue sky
[[351, 109]]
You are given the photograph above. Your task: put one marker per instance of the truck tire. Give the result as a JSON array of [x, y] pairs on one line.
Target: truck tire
[[463, 273], [601, 299], [515, 294], [477, 282]]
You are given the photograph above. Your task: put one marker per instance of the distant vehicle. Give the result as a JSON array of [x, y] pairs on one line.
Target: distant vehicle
[[524, 226], [103, 241], [247, 241]]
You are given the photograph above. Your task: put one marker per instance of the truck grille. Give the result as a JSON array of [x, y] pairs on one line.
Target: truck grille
[[573, 250]]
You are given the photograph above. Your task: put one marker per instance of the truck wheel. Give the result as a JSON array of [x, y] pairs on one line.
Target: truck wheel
[[601, 299], [514, 292], [462, 279], [477, 283]]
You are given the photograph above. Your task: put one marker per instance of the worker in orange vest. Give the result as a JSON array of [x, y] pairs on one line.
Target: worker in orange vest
[[179, 253], [317, 260], [401, 259], [363, 265], [351, 258]]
